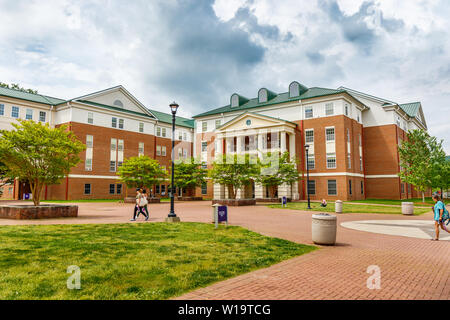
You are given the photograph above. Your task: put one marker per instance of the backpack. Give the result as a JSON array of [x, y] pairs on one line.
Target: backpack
[[445, 216]]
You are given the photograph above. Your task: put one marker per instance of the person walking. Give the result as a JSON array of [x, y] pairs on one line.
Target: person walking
[[141, 201], [441, 215], [145, 207]]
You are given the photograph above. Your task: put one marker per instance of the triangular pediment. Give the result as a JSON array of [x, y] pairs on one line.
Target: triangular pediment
[[117, 97], [249, 120]]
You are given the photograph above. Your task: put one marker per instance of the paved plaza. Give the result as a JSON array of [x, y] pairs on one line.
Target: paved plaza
[[412, 266]]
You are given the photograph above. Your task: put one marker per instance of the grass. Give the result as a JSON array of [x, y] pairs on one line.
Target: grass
[[349, 208], [79, 201], [130, 261], [416, 201]]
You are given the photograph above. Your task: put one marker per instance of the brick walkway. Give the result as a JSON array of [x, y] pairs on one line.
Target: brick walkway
[[410, 268]]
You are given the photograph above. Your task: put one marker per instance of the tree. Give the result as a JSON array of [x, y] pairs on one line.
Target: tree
[[16, 86], [276, 170], [38, 154], [140, 172], [421, 160], [4, 179], [189, 174], [234, 171]]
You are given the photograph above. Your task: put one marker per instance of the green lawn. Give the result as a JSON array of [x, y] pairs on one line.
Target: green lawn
[[130, 261], [417, 201], [349, 208]]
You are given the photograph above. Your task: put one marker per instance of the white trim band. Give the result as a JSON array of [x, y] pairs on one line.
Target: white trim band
[[86, 176], [326, 174], [380, 176]]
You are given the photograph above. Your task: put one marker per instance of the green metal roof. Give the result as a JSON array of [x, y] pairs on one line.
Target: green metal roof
[[113, 108], [411, 109], [167, 118], [280, 98], [39, 98]]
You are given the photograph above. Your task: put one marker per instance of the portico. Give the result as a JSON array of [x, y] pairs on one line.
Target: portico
[[252, 133]]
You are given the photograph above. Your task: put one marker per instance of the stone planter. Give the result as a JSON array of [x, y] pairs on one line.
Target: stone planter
[[274, 200], [235, 202], [324, 227], [407, 208], [338, 206], [45, 211]]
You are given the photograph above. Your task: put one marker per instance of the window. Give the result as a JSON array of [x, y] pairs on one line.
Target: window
[[90, 118], [120, 146], [346, 109], [89, 141], [204, 188], [120, 123], [312, 187], [141, 149], [331, 160], [158, 131], [360, 164], [218, 122], [184, 136], [362, 187], [360, 142], [157, 189], [29, 114], [141, 127], [358, 118], [158, 150], [329, 109], [119, 189], [234, 100], [294, 89], [308, 112], [348, 135], [402, 188], [180, 136], [2, 109], [15, 112], [112, 189], [309, 136], [163, 151], [163, 189], [350, 186], [204, 146], [398, 121], [349, 161], [311, 161], [262, 95], [330, 134], [164, 131], [112, 166], [114, 122], [204, 126], [88, 164], [118, 103], [332, 187], [42, 116], [87, 189]]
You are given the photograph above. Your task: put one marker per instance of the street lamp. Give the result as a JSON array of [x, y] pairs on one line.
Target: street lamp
[[307, 175], [172, 217]]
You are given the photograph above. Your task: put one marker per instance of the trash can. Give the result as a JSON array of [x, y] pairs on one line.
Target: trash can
[[338, 206], [324, 227], [407, 208]]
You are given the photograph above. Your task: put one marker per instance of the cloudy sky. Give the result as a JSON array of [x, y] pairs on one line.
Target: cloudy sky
[[200, 52]]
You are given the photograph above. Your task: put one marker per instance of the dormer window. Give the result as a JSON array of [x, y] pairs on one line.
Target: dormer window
[[118, 103], [234, 101], [262, 95], [296, 89]]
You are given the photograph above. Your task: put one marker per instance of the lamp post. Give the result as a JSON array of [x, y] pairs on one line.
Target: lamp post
[[307, 176], [172, 217]]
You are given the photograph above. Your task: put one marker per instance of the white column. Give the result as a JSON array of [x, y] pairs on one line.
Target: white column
[[292, 145], [238, 144], [219, 150], [260, 138], [259, 191], [283, 141]]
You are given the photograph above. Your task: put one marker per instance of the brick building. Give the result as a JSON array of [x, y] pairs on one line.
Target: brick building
[[113, 124], [352, 138]]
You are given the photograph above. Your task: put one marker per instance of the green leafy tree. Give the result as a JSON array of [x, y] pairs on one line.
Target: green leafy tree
[[277, 169], [4, 179], [39, 154], [234, 171], [141, 172], [421, 160], [16, 86], [189, 174]]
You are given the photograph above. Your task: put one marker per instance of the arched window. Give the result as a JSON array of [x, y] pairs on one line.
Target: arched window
[[118, 103], [234, 100], [262, 95], [294, 89]]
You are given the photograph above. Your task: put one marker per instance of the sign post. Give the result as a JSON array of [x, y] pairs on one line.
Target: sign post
[[220, 215]]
